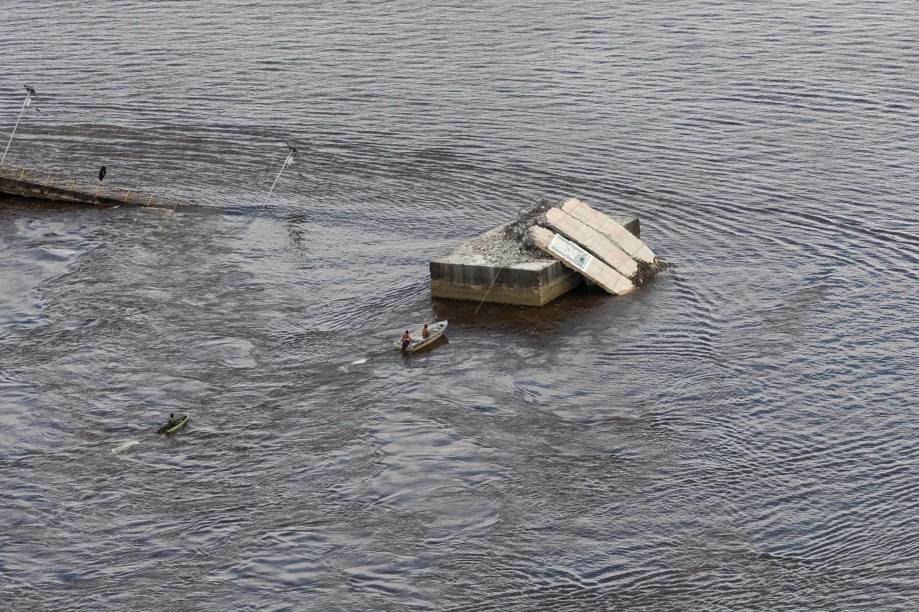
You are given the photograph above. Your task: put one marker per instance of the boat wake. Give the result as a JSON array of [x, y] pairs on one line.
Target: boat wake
[[347, 367], [125, 446]]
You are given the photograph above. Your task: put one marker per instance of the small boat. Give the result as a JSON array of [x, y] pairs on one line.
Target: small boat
[[436, 330], [171, 428]]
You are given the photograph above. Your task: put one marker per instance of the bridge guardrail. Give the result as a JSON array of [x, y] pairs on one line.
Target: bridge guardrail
[[47, 178]]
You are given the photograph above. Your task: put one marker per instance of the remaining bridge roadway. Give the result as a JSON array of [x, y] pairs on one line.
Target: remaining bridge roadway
[[43, 185]]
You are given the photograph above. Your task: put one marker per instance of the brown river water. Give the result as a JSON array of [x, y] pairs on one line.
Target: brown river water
[[740, 434]]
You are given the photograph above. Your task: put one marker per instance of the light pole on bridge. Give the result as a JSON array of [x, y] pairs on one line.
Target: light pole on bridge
[[288, 161], [25, 104]]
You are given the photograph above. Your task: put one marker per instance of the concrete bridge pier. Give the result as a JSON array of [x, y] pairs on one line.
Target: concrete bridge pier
[[497, 266]]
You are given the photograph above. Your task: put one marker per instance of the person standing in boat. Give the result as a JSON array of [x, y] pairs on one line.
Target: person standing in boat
[[406, 340], [424, 332]]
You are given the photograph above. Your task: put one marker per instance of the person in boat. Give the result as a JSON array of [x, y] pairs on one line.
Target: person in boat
[[172, 420], [406, 340], [424, 332]]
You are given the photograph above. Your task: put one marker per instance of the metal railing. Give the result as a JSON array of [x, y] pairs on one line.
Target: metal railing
[[124, 195]]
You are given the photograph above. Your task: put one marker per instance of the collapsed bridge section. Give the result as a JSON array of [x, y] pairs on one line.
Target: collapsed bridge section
[[45, 185]]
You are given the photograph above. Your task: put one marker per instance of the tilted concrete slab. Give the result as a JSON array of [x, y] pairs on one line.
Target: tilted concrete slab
[[592, 240], [622, 236], [575, 257]]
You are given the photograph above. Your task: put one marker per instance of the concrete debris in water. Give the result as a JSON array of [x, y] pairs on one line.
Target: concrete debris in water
[[504, 266], [519, 229], [496, 247]]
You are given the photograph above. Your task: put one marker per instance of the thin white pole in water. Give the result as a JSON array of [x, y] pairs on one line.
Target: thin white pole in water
[[25, 104], [288, 161]]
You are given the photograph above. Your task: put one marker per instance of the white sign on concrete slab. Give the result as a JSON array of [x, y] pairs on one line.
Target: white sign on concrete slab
[[592, 240], [571, 252], [578, 259]]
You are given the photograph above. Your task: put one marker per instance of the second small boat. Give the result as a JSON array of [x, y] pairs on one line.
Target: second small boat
[[173, 425]]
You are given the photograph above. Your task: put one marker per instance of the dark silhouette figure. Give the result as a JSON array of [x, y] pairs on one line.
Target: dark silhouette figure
[[172, 422], [101, 173], [406, 341]]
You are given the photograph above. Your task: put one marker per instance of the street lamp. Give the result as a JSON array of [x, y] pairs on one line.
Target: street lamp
[[25, 104], [288, 161]]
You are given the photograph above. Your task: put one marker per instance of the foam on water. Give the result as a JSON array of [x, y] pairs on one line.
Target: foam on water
[[124, 446]]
